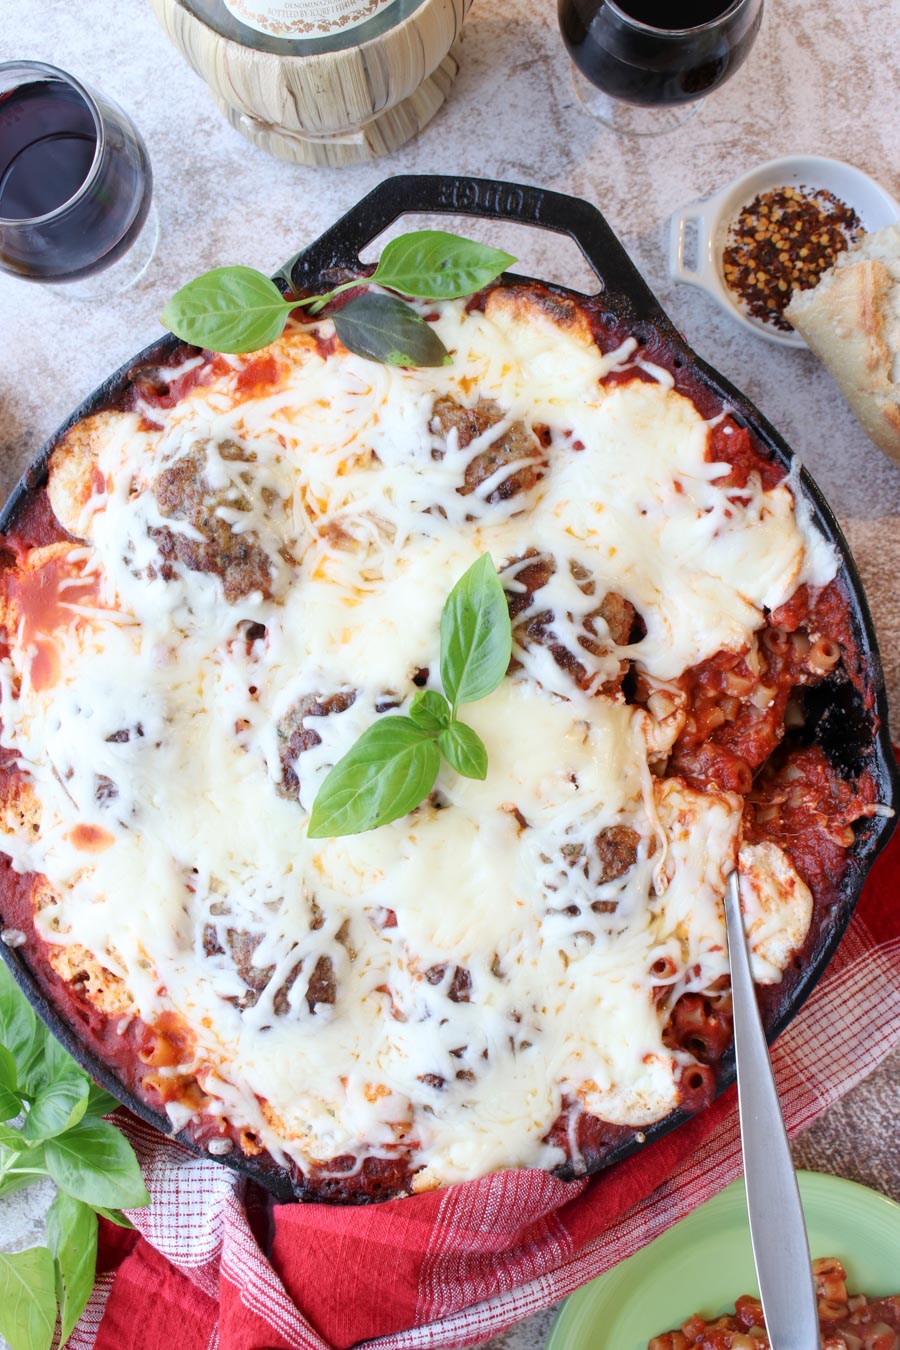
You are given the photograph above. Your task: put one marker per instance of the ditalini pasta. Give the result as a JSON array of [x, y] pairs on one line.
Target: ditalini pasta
[[244, 567]]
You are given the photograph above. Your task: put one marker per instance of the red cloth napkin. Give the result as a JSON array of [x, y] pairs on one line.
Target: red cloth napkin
[[456, 1266]]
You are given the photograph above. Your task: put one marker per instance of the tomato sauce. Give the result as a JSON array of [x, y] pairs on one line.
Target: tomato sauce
[[256, 375], [34, 526], [149, 386], [43, 599]]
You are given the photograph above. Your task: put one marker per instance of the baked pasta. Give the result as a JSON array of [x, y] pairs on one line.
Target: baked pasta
[[846, 1321], [236, 569]]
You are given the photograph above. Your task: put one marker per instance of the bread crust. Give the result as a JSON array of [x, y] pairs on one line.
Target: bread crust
[[851, 320]]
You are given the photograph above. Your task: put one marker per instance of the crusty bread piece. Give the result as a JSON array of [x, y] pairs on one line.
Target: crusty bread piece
[[851, 320]]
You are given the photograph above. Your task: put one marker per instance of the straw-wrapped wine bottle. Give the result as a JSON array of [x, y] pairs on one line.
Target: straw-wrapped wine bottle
[[321, 81]]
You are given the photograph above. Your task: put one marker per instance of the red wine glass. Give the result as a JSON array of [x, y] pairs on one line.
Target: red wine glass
[[643, 67], [75, 184]]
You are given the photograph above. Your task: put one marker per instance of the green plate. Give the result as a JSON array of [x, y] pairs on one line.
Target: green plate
[[704, 1263]]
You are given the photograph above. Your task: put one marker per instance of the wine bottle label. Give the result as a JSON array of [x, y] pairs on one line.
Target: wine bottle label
[[304, 18]]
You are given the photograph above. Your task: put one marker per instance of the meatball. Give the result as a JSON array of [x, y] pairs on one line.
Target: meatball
[[294, 737], [183, 493], [514, 446], [616, 848], [533, 626]]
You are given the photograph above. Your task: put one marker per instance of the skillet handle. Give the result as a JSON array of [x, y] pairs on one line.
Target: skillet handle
[[483, 198]]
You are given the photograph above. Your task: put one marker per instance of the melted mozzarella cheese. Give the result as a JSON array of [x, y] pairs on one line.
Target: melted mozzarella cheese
[[777, 907], [449, 983]]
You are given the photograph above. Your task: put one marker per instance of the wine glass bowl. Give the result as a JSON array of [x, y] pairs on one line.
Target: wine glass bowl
[[639, 74], [75, 183]]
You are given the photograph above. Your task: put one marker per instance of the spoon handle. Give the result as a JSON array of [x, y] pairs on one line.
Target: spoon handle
[[777, 1230]]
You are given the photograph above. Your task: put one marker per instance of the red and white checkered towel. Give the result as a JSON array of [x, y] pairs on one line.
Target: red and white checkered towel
[[454, 1267]]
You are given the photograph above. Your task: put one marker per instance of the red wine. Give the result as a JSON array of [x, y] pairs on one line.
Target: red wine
[[47, 145], [70, 203], [667, 66], [675, 17]]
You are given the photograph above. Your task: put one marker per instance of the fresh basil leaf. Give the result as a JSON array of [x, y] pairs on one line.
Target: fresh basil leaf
[[435, 265], [18, 1024], [95, 1163], [58, 1106], [72, 1239], [27, 1165], [429, 710], [46, 1060], [230, 309], [11, 1138], [476, 635], [114, 1215], [381, 328], [464, 750], [27, 1299], [389, 770], [7, 1070], [101, 1102], [23, 1034], [35, 1069], [14, 1182], [58, 1060], [10, 1101]]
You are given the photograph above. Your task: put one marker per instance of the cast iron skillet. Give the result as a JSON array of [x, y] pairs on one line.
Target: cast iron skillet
[[853, 733]]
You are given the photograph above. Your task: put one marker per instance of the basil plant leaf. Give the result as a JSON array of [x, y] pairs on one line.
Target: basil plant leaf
[[34, 1067], [382, 328], [464, 750], [10, 1105], [18, 1024], [46, 1061], [27, 1299], [435, 265], [114, 1216], [100, 1102], [8, 1078], [429, 710], [58, 1106], [10, 1101], [14, 1181], [59, 1062], [390, 769], [26, 1166], [95, 1163], [476, 634], [230, 309], [72, 1239]]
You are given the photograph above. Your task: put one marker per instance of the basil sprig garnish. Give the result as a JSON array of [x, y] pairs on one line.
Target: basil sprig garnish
[[237, 309], [394, 764], [383, 329], [63, 1136]]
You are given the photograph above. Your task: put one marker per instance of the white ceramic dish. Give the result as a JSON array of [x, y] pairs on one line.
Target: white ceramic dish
[[709, 222]]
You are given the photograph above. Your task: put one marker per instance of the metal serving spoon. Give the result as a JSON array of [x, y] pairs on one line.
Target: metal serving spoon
[[777, 1230]]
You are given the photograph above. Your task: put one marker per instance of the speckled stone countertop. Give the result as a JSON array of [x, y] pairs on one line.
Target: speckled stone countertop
[[822, 79]]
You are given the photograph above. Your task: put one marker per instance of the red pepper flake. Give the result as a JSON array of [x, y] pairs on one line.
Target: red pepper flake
[[782, 242]]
